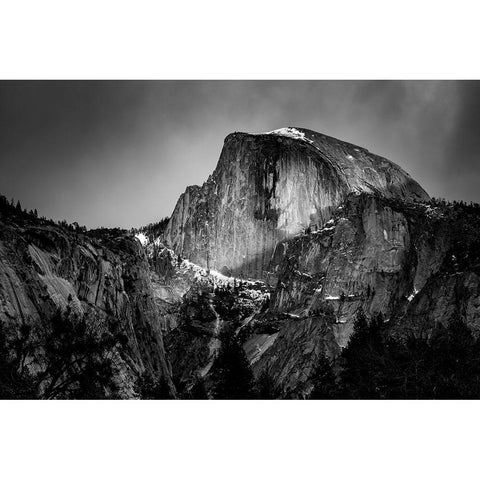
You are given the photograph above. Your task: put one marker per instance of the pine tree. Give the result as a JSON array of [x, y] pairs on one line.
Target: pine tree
[[15, 381], [233, 375], [361, 374], [77, 360], [199, 390], [152, 388], [323, 379], [266, 387]]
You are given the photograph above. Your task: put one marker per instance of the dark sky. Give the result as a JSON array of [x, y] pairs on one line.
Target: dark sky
[[120, 153]]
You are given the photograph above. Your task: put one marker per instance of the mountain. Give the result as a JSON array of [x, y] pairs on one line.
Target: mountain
[[292, 239], [269, 187], [98, 281], [335, 232]]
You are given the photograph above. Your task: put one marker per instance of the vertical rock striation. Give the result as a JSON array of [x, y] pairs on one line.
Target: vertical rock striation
[[268, 187]]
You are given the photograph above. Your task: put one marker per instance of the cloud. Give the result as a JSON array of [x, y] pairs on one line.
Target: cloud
[[120, 153], [464, 146]]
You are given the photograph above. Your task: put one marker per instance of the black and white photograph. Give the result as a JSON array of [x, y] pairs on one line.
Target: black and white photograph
[[239, 241], [156, 244]]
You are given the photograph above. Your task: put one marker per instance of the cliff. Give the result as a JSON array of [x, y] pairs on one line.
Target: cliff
[[336, 231], [268, 187], [378, 256], [101, 278], [292, 237], [417, 265]]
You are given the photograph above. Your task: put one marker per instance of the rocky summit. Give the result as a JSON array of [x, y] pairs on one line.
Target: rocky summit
[[269, 187], [293, 238]]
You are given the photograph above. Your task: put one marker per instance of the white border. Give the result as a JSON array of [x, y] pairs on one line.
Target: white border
[[239, 439], [251, 39], [241, 40]]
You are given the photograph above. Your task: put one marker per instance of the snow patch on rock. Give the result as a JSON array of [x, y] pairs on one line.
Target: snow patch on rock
[[332, 297], [142, 238], [412, 295], [289, 132]]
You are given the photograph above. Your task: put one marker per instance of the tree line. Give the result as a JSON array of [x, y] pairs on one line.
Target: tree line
[[379, 365], [76, 363], [72, 358]]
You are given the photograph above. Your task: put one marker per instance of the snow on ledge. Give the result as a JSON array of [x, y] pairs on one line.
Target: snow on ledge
[[332, 297], [141, 238], [412, 295]]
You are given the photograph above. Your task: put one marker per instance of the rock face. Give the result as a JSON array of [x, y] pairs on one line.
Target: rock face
[[330, 229], [416, 265], [45, 268], [267, 188], [196, 305], [335, 230]]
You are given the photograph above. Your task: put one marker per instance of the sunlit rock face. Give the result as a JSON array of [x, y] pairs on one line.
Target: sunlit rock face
[[362, 258], [414, 264], [267, 188]]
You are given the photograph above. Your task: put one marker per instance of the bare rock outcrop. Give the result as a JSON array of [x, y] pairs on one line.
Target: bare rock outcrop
[[102, 278], [267, 188], [292, 236]]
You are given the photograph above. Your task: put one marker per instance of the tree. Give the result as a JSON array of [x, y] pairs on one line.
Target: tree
[[16, 382], [199, 390], [78, 358], [362, 373], [323, 379], [153, 388], [444, 364], [266, 388], [233, 377], [455, 361], [226, 305]]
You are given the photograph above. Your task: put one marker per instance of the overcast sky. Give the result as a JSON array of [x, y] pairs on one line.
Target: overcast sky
[[121, 153]]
